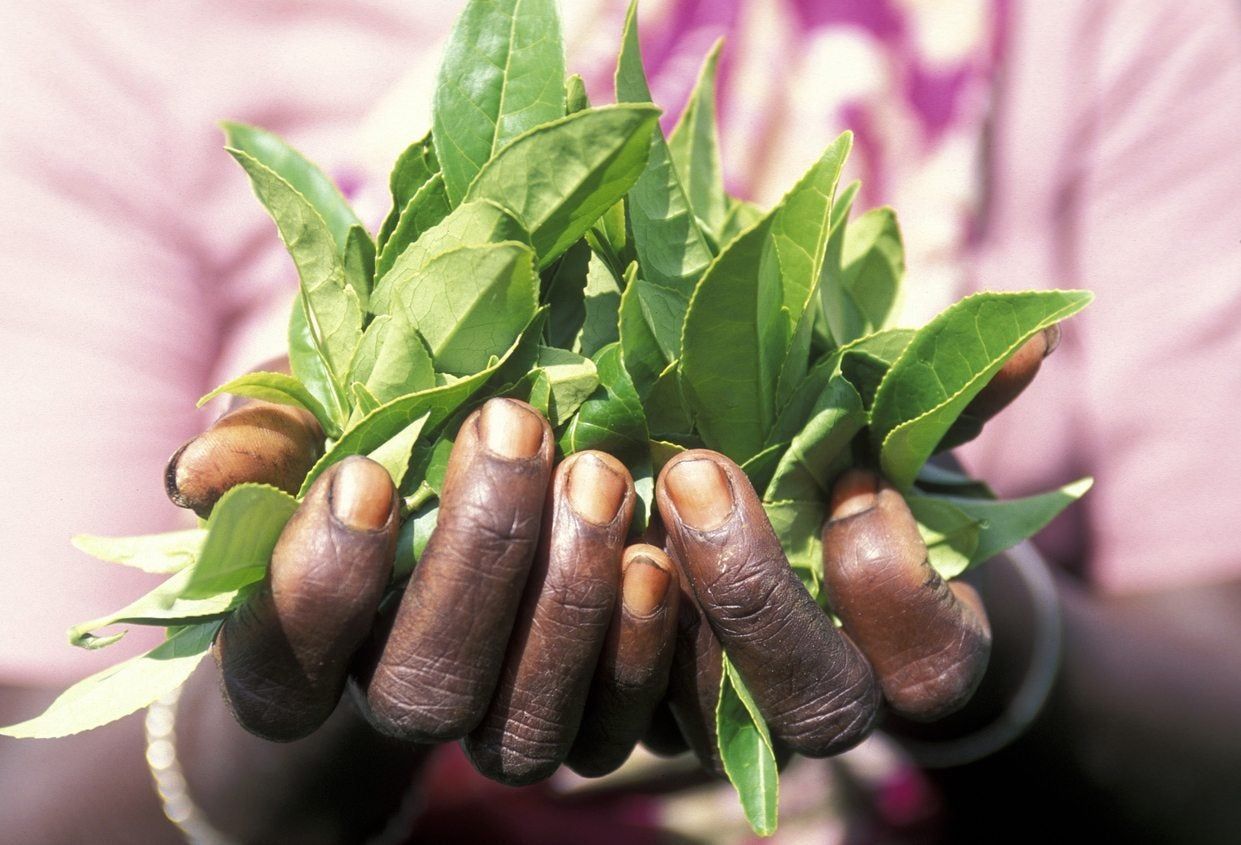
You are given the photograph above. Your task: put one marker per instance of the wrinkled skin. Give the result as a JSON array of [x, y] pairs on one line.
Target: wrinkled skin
[[530, 631]]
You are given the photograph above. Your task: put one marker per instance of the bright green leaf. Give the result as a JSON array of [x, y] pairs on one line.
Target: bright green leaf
[[394, 455], [122, 689], [281, 388], [413, 169], [694, 148], [159, 553], [425, 210], [502, 74], [746, 752], [241, 533], [560, 177], [947, 363]]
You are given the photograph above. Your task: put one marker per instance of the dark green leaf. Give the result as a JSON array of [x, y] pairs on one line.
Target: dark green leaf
[[425, 210], [359, 259]]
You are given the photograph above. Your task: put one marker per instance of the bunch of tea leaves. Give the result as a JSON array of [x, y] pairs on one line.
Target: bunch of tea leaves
[[572, 256]]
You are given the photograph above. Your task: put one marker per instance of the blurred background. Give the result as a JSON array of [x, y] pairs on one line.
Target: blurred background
[[1081, 143]]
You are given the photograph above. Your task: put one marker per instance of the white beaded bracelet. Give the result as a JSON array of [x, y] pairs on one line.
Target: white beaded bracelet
[[185, 815]]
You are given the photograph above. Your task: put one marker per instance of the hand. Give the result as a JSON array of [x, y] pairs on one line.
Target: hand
[[526, 624], [907, 635], [908, 638]]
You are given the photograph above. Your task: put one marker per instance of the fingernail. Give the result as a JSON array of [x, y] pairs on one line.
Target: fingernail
[[510, 429], [645, 586], [855, 492], [361, 494], [595, 490], [1051, 337], [701, 493]]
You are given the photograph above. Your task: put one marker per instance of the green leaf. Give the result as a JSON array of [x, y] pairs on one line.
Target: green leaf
[[502, 74], [334, 313], [575, 99], [304, 177], [820, 451], [611, 420], [694, 147], [743, 320], [671, 249], [412, 541], [950, 534], [1000, 524], [866, 361], [798, 524], [165, 606], [359, 259], [392, 359], [426, 209], [570, 378], [840, 313], [159, 553], [394, 455], [413, 169], [382, 424], [601, 305], [560, 177], [281, 388], [310, 365], [741, 216], [241, 533], [564, 284], [644, 358], [469, 224], [471, 303], [746, 752], [122, 689], [874, 264], [945, 365]]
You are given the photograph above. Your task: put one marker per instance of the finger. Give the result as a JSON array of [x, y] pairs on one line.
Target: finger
[[564, 616], [438, 668], [928, 640], [260, 442], [694, 681], [811, 684], [1005, 386], [285, 653], [633, 669]]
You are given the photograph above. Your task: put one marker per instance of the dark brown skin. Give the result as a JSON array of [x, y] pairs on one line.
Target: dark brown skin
[[632, 675], [927, 640], [564, 617], [259, 442]]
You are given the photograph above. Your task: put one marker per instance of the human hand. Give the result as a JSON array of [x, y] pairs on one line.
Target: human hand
[[509, 633]]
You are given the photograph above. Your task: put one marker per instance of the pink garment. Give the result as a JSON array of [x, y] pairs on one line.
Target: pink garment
[[140, 272]]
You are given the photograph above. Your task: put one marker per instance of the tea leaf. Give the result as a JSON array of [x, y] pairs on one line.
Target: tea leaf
[[472, 302], [159, 553], [281, 388], [560, 177], [947, 363], [394, 455], [746, 752], [671, 249], [359, 260], [303, 176], [874, 264], [413, 169], [334, 315], [426, 209], [241, 532], [502, 74], [122, 689], [392, 359], [694, 148]]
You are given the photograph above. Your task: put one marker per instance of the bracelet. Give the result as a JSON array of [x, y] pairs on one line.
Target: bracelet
[[180, 809], [170, 785], [1026, 704]]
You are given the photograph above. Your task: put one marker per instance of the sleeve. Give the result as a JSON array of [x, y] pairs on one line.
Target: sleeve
[[1117, 169]]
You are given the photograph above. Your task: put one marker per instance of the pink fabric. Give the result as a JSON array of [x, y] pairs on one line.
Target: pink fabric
[[139, 271], [1116, 166]]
